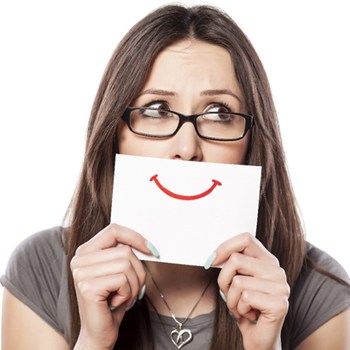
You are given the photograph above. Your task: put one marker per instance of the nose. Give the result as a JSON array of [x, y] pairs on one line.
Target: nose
[[186, 144]]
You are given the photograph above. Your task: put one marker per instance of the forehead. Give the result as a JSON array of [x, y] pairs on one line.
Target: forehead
[[193, 59], [193, 48]]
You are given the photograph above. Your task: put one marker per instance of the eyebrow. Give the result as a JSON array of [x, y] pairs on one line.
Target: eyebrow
[[210, 92], [215, 92], [158, 92]]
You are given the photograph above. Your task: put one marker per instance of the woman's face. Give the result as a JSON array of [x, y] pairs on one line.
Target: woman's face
[[189, 77]]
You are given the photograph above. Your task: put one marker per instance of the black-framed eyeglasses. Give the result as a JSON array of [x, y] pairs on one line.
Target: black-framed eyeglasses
[[162, 123]]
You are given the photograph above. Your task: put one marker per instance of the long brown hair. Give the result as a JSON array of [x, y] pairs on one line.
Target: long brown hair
[[278, 228]]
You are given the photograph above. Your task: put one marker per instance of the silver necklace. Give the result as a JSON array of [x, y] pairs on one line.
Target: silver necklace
[[179, 336]]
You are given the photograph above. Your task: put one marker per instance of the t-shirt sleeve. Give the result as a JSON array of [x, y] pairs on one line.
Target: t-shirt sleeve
[[316, 298], [34, 275]]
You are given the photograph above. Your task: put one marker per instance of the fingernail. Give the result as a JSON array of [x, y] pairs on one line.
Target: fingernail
[[252, 321], [112, 308], [153, 249], [131, 305], [210, 260], [142, 292], [232, 315], [222, 295]]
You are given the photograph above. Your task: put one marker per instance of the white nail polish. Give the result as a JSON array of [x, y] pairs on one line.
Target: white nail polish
[[210, 260], [222, 295], [142, 292], [131, 305]]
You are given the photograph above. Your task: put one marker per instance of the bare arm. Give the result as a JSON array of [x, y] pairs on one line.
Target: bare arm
[[22, 328], [334, 334]]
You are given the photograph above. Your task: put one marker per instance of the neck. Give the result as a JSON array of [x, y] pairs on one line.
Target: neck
[[182, 286]]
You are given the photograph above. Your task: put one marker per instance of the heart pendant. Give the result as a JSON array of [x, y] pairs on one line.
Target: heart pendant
[[180, 337]]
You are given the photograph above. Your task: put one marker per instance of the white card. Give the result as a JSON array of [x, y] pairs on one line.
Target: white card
[[186, 209]]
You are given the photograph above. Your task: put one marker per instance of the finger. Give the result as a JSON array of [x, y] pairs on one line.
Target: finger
[[111, 236], [110, 269], [121, 260], [102, 256], [106, 256], [240, 264], [271, 307], [246, 244], [240, 284], [95, 292], [245, 283]]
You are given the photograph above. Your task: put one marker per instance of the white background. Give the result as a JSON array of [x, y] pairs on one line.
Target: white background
[[52, 57]]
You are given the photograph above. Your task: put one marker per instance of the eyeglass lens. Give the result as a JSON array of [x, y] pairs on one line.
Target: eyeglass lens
[[160, 123]]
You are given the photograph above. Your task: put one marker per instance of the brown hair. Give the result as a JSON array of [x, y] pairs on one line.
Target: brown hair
[[278, 228]]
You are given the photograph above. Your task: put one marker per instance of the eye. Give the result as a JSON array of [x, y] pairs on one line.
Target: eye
[[155, 110], [155, 113], [219, 113], [219, 107], [157, 105]]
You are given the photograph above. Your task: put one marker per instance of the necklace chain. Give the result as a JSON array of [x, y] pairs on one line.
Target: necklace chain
[[168, 307], [179, 336]]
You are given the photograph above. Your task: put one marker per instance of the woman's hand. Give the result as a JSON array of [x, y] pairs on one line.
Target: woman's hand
[[108, 278], [255, 289]]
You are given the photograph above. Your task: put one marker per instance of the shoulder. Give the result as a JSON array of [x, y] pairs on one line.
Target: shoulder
[[40, 253], [317, 296], [44, 245], [325, 261], [36, 274]]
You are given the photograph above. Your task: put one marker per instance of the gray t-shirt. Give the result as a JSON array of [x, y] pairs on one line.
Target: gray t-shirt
[[200, 327], [37, 275]]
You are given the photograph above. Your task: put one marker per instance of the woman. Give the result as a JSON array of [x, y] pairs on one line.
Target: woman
[[274, 291]]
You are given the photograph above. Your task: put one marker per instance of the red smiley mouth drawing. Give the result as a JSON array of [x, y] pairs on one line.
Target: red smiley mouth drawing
[[184, 197]]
